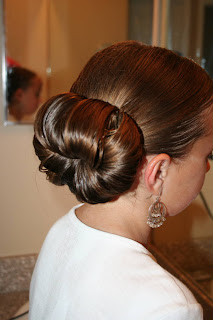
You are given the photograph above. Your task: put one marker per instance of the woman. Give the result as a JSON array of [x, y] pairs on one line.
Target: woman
[[131, 140], [23, 93]]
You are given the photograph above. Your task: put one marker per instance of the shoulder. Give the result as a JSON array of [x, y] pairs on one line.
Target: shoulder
[[181, 312], [57, 241], [61, 228], [137, 282], [161, 286], [167, 286]]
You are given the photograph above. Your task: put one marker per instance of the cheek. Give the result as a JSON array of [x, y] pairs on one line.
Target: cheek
[[32, 105], [184, 192], [35, 102]]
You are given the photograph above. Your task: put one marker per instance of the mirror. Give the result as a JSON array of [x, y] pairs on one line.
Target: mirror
[[40, 37], [26, 25]]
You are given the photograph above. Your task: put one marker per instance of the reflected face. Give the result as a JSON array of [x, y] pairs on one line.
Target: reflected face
[[185, 178], [30, 96]]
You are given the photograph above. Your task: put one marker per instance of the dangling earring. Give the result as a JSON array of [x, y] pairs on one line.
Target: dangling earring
[[157, 213]]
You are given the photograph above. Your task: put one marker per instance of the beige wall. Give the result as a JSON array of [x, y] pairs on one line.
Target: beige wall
[[30, 204], [92, 25]]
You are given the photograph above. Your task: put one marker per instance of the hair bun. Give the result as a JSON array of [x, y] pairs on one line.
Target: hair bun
[[89, 145]]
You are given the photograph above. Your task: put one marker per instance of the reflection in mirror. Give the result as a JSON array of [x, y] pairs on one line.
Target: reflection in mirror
[[140, 20], [40, 37], [23, 93], [26, 58]]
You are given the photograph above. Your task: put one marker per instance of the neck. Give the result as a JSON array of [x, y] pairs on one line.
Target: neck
[[125, 217]]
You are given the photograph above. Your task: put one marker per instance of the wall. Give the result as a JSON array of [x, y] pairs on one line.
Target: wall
[[92, 25], [30, 204]]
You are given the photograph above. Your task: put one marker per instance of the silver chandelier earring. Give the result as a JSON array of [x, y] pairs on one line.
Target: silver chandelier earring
[[157, 213]]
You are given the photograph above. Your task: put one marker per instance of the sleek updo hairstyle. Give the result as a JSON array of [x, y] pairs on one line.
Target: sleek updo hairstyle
[[89, 145], [130, 100]]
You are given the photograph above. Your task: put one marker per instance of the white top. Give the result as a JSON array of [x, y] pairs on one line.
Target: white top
[[86, 274]]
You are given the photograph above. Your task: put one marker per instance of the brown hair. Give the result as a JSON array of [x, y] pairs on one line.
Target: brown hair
[[165, 93], [88, 139], [18, 77], [88, 145]]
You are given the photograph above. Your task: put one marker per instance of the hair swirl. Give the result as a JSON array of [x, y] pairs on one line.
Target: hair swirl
[[89, 145]]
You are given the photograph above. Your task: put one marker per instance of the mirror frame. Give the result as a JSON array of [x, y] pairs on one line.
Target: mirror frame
[[3, 69]]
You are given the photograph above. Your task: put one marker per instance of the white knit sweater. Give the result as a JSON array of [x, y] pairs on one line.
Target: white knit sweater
[[86, 274]]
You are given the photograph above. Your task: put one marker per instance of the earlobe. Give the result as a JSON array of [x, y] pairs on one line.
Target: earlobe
[[156, 171]]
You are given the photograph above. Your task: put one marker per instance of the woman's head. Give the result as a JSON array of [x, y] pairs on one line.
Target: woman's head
[[130, 100], [23, 91]]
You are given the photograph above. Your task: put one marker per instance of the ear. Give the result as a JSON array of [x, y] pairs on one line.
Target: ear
[[156, 171], [18, 94]]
